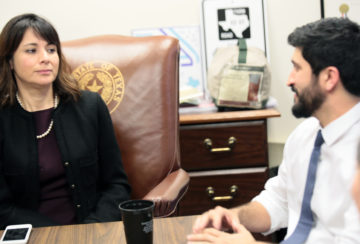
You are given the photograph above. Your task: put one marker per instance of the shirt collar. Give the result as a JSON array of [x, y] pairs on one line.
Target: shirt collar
[[333, 131]]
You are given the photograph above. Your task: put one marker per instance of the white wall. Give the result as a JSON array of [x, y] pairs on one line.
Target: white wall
[[81, 18]]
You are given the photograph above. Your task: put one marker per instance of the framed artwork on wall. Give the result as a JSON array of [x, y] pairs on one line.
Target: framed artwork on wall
[[225, 21], [191, 82], [341, 8]]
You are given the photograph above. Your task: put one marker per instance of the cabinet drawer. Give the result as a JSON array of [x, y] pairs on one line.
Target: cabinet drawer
[[249, 183], [248, 150]]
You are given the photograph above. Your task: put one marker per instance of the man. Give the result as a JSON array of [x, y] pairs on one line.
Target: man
[[326, 83], [356, 184]]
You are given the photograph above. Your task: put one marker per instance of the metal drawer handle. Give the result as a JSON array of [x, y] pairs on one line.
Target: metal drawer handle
[[231, 144], [211, 192]]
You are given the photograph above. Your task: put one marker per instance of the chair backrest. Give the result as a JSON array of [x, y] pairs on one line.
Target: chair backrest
[[138, 79]]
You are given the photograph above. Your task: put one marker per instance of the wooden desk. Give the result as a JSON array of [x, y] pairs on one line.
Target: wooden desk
[[226, 156], [223, 172], [201, 118], [166, 230]]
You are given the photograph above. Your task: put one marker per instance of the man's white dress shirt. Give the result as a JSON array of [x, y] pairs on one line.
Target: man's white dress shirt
[[336, 217]]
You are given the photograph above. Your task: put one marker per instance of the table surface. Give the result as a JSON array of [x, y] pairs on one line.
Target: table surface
[[166, 230]]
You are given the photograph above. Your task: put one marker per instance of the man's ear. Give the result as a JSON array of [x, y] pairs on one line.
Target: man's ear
[[330, 77]]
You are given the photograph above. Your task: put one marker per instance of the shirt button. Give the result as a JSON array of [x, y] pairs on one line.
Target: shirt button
[[78, 206], [72, 186], [66, 164]]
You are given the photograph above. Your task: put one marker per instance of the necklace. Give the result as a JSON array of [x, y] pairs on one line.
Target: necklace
[[51, 122]]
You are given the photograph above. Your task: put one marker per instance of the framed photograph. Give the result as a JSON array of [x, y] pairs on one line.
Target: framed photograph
[[225, 21], [190, 70], [341, 8]]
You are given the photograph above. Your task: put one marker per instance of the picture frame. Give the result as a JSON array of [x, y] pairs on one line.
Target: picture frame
[[341, 8], [225, 21], [191, 80]]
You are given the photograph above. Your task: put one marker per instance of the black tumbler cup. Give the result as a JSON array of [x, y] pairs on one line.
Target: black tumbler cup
[[137, 216]]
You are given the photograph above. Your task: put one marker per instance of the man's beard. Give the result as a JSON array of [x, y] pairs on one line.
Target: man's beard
[[309, 100]]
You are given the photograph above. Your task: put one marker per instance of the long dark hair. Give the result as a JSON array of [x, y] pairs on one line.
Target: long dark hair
[[11, 36]]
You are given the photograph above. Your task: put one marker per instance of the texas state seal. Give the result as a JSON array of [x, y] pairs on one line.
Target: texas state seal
[[104, 78]]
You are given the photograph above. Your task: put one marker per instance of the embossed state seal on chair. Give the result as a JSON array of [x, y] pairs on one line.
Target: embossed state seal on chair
[[138, 78]]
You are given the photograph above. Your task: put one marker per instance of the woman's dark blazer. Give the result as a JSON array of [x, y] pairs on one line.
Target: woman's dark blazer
[[89, 152]]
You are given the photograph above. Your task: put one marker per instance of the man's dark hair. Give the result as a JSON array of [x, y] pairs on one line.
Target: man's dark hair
[[331, 42]]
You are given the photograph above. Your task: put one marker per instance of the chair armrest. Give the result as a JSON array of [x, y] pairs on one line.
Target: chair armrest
[[168, 193]]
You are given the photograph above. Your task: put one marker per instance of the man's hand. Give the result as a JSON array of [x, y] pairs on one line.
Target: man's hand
[[212, 235], [218, 218]]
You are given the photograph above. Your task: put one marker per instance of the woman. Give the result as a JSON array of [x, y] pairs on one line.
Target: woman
[[59, 159]]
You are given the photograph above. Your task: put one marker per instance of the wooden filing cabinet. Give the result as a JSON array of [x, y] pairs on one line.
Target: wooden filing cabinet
[[226, 155]]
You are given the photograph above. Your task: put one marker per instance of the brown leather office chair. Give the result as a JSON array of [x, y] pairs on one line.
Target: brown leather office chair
[[138, 79]]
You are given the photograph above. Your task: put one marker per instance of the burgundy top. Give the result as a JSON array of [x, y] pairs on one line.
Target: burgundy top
[[55, 198]]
